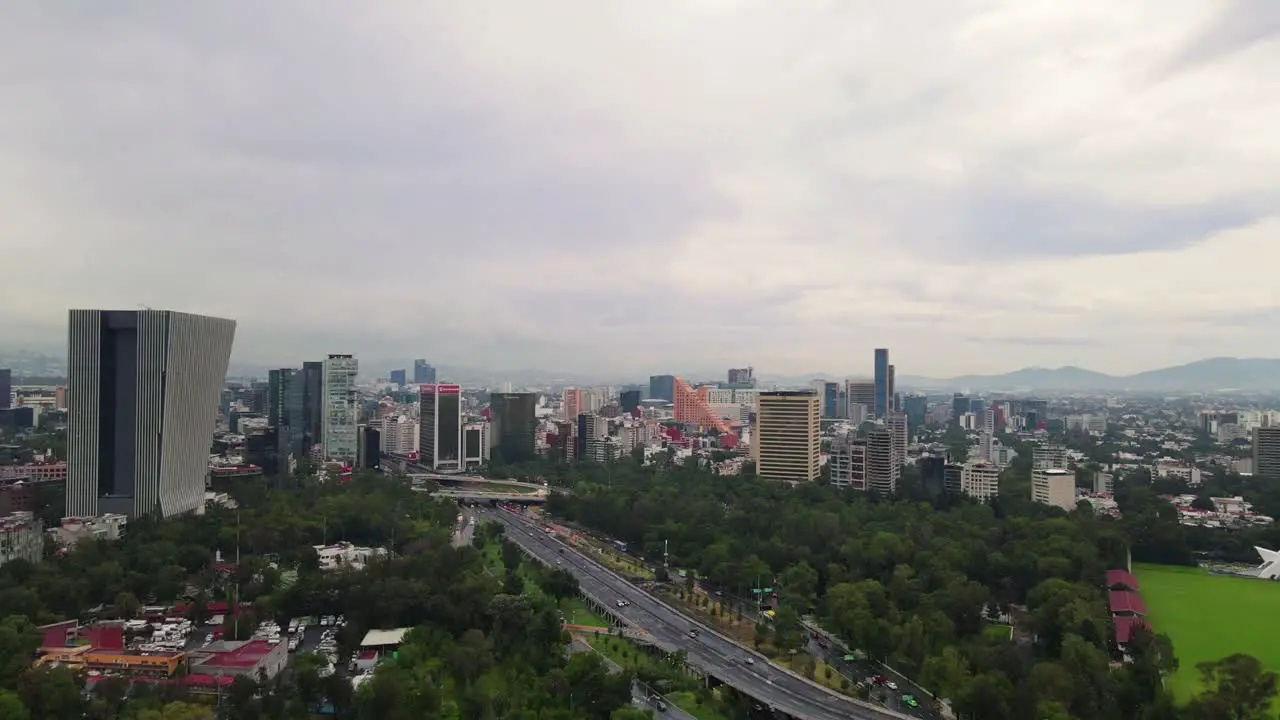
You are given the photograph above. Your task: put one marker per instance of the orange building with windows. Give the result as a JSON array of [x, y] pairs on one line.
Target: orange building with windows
[[692, 408]]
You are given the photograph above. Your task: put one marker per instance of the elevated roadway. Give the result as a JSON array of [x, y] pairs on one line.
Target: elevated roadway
[[741, 668], [536, 498]]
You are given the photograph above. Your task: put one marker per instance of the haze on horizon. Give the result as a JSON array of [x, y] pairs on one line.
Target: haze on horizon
[[576, 184]]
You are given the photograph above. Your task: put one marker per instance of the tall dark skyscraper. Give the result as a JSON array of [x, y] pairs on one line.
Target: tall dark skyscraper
[[398, 378], [143, 399], [916, 407], [370, 444], [515, 425], [629, 400], [312, 404], [6, 387], [286, 412], [423, 373], [662, 387], [440, 427], [884, 393]]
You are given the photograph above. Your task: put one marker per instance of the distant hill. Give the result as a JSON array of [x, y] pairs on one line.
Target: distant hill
[[1213, 374]]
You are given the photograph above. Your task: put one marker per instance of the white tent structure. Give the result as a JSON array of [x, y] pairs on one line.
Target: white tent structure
[[1270, 567]]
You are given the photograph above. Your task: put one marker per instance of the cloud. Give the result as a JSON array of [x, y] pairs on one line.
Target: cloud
[[587, 184]]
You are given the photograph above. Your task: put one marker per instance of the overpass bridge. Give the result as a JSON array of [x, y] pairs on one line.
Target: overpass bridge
[[531, 498], [441, 478]]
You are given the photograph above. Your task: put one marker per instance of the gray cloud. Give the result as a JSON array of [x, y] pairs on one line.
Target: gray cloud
[[423, 182]]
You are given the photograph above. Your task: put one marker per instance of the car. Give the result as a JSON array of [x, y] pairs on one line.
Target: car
[[751, 661], [910, 701], [661, 706], [559, 562], [891, 685]]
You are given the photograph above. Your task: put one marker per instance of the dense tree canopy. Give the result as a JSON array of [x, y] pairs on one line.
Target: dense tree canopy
[[481, 648], [911, 581]]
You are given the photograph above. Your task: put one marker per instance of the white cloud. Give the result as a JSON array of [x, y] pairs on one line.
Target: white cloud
[[789, 183]]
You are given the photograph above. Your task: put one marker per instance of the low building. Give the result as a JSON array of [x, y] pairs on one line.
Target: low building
[[21, 537], [110, 526], [384, 640], [345, 556], [251, 658]]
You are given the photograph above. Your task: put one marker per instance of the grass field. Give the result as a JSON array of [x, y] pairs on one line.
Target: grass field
[[1209, 617]]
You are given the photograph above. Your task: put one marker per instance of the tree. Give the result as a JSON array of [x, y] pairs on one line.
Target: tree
[[1237, 687], [126, 604], [11, 707]]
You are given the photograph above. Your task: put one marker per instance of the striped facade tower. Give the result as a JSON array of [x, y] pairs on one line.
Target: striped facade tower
[[143, 400]]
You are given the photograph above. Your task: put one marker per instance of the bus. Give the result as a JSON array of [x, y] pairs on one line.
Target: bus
[[619, 546]]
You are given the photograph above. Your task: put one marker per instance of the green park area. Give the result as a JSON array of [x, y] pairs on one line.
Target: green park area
[[1209, 617]]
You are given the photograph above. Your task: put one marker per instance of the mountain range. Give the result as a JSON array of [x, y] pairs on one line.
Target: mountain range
[[1219, 374]]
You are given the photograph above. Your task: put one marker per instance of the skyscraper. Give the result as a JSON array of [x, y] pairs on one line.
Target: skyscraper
[[423, 373], [883, 469], [286, 413], [629, 400], [397, 378], [788, 434], [742, 376], [883, 392], [575, 403], [859, 393], [662, 387], [143, 401], [6, 387], [340, 409], [514, 425], [312, 404], [1266, 452], [440, 426]]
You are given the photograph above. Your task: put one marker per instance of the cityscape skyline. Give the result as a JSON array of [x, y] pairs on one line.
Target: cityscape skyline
[[773, 198]]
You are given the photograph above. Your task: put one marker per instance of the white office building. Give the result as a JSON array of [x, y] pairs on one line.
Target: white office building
[[341, 408]]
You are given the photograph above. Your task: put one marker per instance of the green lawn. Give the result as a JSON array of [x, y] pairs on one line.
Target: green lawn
[[1209, 617]]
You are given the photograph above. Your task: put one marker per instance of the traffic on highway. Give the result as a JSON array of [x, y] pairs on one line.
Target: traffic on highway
[[741, 668]]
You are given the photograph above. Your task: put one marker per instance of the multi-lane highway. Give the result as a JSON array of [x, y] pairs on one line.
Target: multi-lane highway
[[739, 667]]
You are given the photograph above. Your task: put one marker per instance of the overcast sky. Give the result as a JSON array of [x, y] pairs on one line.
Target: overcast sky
[[659, 185]]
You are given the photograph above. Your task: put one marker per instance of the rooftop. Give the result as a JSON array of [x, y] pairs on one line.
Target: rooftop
[[233, 655], [378, 638]]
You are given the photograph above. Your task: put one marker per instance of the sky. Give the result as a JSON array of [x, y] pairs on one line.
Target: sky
[[978, 185]]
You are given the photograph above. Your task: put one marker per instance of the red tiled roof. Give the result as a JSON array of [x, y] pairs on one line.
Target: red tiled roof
[[1122, 579], [1126, 603], [1125, 627], [105, 638], [368, 655]]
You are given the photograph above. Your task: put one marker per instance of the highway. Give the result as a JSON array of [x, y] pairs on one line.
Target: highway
[[741, 668]]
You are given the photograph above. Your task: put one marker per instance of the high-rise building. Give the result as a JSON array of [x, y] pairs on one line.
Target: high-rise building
[[397, 378], [662, 387], [144, 387], [883, 390], [629, 400], [1047, 456], [370, 448], [848, 462], [953, 478], [1266, 452], [514, 427], [830, 400], [860, 394], [286, 404], [916, 407], [574, 402], [475, 443], [591, 433], [259, 396], [692, 408], [742, 376], [423, 373], [312, 404], [341, 409], [891, 401], [960, 406], [440, 426], [980, 480], [883, 468], [896, 424], [787, 439], [1054, 486], [6, 387]]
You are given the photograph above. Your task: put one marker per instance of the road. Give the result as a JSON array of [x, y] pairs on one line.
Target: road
[[741, 668], [464, 531]]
